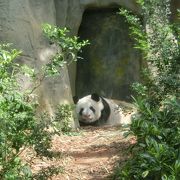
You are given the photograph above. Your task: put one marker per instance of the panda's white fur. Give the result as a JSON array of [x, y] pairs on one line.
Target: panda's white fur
[[88, 115], [96, 110]]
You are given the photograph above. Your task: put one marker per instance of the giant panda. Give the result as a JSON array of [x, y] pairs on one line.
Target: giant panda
[[96, 110]]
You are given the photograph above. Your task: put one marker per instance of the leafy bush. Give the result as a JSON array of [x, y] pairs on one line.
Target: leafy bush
[[17, 117], [63, 118], [20, 126], [156, 154]]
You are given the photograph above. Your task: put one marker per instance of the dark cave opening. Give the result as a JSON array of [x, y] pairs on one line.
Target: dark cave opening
[[110, 63]]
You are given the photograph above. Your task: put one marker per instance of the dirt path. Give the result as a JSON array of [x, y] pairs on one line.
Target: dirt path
[[90, 155]]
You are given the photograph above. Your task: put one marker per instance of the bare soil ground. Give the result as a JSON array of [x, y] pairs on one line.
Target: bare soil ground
[[90, 155], [93, 154]]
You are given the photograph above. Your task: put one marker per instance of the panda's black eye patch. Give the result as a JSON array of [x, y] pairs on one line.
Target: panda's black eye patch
[[81, 110], [93, 110]]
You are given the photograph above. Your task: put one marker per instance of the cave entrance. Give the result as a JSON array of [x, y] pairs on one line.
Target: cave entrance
[[110, 63]]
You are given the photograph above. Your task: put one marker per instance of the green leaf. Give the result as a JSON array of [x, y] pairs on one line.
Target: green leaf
[[145, 173]]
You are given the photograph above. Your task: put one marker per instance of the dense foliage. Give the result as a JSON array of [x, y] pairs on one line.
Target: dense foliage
[[20, 126], [156, 154]]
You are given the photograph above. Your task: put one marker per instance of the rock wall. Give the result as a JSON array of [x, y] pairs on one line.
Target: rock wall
[[20, 24]]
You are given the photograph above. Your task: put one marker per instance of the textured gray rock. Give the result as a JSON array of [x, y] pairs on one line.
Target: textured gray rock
[[130, 4], [21, 24]]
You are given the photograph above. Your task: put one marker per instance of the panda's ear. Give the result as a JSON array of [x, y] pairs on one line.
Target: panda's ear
[[75, 99], [95, 97]]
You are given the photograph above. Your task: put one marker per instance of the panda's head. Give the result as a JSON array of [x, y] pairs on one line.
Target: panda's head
[[89, 108]]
